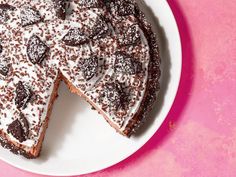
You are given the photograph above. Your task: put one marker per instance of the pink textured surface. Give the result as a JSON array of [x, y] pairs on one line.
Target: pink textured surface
[[198, 137]]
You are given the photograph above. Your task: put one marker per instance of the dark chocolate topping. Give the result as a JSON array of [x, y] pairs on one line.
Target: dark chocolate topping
[[121, 7], [1, 48], [89, 67], [74, 37], [90, 3], [4, 65], [18, 130], [130, 36], [23, 95], [99, 30], [29, 16], [124, 64], [25, 124], [4, 8], [113, 93], [4, 69], [36, 50], [125, 8], [60, 8]]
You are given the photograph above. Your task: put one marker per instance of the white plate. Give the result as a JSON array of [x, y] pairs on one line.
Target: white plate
[[79, 141]]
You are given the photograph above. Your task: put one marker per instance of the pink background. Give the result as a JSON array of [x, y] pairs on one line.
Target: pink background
[[198, 137]]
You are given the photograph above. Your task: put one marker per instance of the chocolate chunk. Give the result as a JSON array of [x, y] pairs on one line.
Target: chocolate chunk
[[60, 8], [4, 8], [90, 3], [23, 95], [130, 36], [4, 69], [124, 64], [19, 128], [89, 67], [99, 30], [29, 16], [3, 16], [15, 128], [36, 50], [74, 37], [112, 93], [125, 8], [120, 7], [1, 48], [4, 66]]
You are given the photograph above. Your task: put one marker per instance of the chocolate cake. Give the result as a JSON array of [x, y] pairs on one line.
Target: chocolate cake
[[104, 50]]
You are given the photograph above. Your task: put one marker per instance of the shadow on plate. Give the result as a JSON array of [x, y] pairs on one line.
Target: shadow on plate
[[61, 122]]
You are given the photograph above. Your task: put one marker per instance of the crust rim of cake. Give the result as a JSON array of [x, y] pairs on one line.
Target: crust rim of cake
[[154, 74]]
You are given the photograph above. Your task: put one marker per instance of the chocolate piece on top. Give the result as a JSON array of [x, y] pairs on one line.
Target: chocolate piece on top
[[1, 48], [19, 129], [36, 50], [25, 124], [120, 7], [29, 16], [4, 69], [4, 8], [89, 67], [90, 3], [60, 8], [130, 36], [74, 37], [23, 95], [99, 30], [112, 93], [124, 64], [125, 8], [4, 65]]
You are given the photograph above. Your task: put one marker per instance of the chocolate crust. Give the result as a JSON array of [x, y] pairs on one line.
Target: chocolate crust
[[18, 150], [154, 74], [15, 149]]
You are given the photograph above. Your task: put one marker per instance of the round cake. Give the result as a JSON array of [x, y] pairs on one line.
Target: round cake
[[104, 50]]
